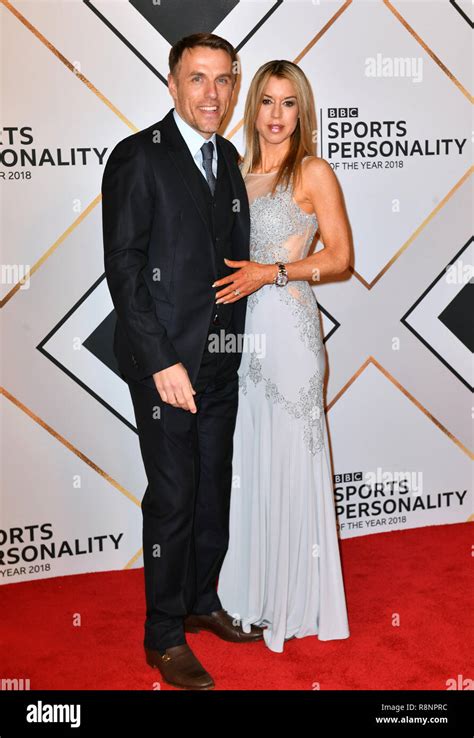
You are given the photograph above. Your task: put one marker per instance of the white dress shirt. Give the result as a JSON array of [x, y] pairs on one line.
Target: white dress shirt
[[194, 141]]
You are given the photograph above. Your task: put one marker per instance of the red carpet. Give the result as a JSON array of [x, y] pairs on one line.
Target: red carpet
[[421, 575]]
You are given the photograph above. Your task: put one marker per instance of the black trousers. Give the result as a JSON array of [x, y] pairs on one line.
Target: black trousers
[[188, 464]]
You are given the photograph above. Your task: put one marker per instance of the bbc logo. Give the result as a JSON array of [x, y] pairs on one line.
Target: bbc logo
[[348, 477], [343, 112]]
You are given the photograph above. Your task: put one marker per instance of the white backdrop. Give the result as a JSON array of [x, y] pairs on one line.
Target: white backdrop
[[392, 83]]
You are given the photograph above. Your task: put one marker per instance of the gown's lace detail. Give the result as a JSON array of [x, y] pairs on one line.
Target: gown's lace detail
[[309, 406], [306, 313], [303, 306], [282, 231], [274, 220]]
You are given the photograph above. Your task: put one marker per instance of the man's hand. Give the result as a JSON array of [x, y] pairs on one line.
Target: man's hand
[[174, 387]]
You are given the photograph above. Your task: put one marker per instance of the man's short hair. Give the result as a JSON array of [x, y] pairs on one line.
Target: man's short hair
[[200, 39]]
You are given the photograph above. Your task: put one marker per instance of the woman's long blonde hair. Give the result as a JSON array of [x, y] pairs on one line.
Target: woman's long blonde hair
[[303, 138]]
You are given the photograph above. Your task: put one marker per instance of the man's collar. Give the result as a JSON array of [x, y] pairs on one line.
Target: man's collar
[[192, 137]]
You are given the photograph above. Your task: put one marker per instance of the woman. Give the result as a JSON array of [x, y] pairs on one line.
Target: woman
[[282, 568]]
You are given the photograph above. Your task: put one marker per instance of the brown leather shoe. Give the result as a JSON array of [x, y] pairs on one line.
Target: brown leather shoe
[[223, 625], [180, 667]]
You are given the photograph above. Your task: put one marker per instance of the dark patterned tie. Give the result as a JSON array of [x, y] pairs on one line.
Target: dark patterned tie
[[207, 153]]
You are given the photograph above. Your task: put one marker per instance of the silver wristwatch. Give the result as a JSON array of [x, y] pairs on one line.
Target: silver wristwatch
[[281, 277]]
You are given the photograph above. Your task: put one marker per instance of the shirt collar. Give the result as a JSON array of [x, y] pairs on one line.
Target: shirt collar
[[193, 138]]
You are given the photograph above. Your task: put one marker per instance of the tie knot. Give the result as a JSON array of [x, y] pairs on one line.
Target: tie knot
[[207, 150]]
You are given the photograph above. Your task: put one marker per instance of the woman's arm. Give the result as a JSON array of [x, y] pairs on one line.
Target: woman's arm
[[321, 189]]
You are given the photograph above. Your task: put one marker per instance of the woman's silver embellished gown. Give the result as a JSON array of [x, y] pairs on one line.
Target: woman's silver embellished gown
[[282, 568]]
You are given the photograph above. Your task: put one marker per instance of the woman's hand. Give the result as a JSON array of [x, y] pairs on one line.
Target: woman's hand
[[248, 278]]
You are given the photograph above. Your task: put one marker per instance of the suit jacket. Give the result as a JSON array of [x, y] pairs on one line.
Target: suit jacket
[[159, 254]]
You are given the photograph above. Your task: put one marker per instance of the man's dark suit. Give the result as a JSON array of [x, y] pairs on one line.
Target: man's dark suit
[[165, 237]]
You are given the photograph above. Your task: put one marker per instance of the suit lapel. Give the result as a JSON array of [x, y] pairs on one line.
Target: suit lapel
[[186, 166]]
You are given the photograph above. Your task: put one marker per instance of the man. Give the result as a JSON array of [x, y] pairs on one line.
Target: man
[[174, 207]]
